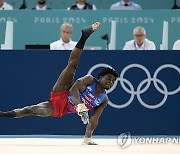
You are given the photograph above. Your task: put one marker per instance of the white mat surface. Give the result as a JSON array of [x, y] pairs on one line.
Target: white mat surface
[[73, 146]]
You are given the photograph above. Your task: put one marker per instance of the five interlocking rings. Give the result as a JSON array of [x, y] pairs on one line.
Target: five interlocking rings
[[137, 92]]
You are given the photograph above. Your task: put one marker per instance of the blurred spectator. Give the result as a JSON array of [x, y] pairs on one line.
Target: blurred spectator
[[82, 5], [41, 5], [140, 42], [65, 42], [5, 6], [176, 45], [125, 5]]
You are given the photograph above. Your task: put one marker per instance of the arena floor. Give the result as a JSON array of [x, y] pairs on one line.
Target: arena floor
[[72, 145]]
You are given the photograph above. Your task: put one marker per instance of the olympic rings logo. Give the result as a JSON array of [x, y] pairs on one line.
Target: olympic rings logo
[[137, 92]]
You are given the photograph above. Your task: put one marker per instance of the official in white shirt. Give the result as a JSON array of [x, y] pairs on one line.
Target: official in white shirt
[[176, 45], [5, 6], [65, 42], [125, 5], [140, 42]]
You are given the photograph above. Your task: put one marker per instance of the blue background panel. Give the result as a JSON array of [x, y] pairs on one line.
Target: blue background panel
[[27, 78]]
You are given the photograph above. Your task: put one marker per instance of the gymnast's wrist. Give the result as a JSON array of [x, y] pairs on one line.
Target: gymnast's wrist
[[80, 108]]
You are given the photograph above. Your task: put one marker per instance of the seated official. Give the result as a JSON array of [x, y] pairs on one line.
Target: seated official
[[140, 41], [65, 42], [125, 5], [41, 5], [82, 5]]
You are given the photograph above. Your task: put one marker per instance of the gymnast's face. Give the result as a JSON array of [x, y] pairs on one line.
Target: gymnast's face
[[107, 81]]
